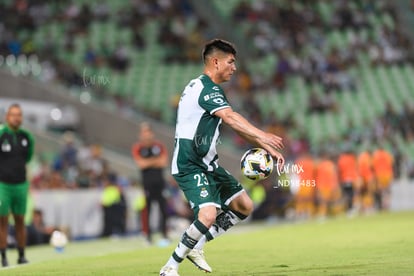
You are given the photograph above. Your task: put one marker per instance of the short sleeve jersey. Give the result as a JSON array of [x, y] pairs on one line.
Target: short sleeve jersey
[[197, 128]]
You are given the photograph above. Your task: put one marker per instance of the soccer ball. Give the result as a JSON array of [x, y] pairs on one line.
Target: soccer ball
[[58, 240], [256, 164]]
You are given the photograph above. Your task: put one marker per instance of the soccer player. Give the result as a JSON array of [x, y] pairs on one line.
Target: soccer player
[[348, 178], [327, 186], [305, 197], [383, 163], [218, 200], [16, 150], [366, 174]]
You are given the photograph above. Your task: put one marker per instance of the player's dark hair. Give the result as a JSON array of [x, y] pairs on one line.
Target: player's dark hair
[[218, 45]]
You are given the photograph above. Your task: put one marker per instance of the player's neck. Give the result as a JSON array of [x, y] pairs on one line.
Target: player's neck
[[211, 74]]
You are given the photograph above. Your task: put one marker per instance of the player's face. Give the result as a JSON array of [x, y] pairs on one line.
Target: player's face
[[14, 117], [226, 66]]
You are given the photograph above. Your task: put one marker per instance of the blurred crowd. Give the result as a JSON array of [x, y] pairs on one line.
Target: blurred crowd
[[73, 166], [51, 58], [308, 43]]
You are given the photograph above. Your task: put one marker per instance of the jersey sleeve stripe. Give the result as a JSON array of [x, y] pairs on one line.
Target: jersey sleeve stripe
[[218, 108]]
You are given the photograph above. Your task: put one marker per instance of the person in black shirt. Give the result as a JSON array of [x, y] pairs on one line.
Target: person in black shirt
[[16, 150], [151, 156]]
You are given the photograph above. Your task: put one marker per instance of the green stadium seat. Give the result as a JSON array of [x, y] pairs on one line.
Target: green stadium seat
[[151, 84]]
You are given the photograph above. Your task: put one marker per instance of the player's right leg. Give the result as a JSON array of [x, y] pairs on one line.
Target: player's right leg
[[204, 200], [206, 218], [18, 208], [236, 206], [3, 240]]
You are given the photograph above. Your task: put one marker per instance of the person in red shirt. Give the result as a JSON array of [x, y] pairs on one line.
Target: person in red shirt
[[151, 157]]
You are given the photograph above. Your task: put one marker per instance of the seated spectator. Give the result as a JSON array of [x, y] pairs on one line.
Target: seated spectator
[[84, 18], [321, 104], [92, 166], [37, 231], [138, 40], [90, 57], [101, 11], [114, 207], [119, 59], [283, 69]]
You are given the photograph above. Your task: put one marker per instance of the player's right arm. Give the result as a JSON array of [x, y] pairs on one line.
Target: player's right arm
[[268, 141]]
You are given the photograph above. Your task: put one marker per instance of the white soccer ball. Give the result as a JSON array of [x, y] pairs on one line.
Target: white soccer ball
[[256, 164], [58, 239]]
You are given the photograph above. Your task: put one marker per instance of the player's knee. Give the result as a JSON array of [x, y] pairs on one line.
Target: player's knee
[[247, 207], [243, 205], [207, 216]]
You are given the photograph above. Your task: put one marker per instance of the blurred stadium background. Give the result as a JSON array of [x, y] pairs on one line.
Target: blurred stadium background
[[328, 76]]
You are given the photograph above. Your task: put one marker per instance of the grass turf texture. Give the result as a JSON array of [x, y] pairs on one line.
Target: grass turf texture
[[381, 244]]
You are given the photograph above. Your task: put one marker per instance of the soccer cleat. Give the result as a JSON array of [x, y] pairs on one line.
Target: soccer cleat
[[196, 256], [22, 260], [168, 271], [4, 262]]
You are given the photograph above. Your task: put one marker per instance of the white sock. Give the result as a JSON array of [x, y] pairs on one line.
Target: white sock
[[189, 239]]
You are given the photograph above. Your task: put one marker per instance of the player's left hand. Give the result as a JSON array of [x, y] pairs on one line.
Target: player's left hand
[[279, 160]]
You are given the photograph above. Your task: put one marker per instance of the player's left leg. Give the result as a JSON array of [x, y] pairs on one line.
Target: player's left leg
[[18, 209]]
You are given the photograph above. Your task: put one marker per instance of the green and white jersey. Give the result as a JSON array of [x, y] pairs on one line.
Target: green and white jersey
[[197, 129]]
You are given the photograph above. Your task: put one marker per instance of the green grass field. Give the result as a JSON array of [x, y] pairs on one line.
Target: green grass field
[[381, 244]]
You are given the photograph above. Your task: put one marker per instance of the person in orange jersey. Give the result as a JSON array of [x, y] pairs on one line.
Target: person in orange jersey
[[327, 187], [305, 196], [348, 178], [366, 175], [383, 162]]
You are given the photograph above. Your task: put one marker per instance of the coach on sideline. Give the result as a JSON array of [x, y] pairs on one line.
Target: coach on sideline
[[16, 150]]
